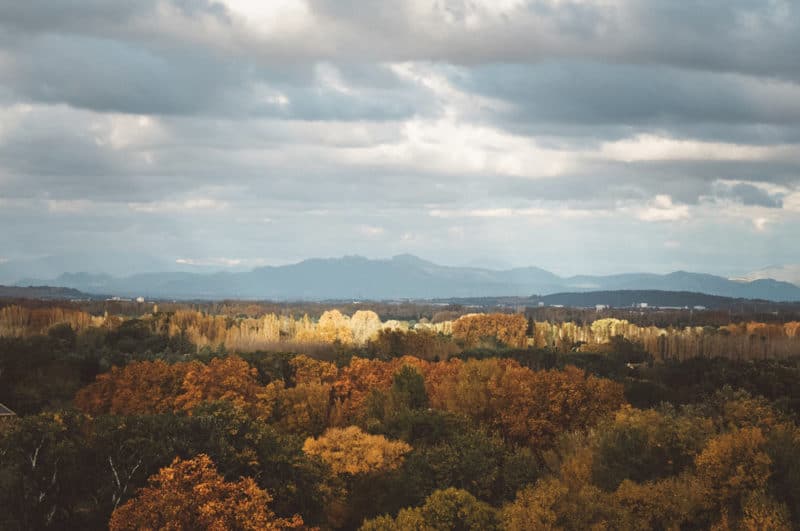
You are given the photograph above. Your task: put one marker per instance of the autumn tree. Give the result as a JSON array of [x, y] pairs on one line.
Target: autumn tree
[[364, 324], [333, 326], [145, 387], [157, 387], [308, 370], [352, 451], [448, 509], [529, 407], [509, 329], [734, 464], [304, 408], [642, 445], [191, 495], [357, 381], [230, 379]]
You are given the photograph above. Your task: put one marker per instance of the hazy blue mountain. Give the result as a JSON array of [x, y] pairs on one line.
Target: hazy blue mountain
[[401, 277]]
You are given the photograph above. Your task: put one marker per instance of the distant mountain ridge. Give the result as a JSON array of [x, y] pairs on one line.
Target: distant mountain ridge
[[42, 292], [402, 277]]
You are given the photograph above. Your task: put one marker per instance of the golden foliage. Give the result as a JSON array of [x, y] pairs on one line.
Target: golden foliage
[[734, 464], [333, 326], [352, 451], [18, 321], [507, 328], [189, 495], [308, 370], [305, 408]]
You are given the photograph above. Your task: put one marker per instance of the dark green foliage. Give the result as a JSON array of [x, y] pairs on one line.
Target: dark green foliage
[[698, 378], [408, 389]]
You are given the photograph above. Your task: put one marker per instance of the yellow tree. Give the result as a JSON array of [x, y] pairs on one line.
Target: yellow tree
[[733, 465], [506, 328], [333, 326], [364, 324], [352, 451]]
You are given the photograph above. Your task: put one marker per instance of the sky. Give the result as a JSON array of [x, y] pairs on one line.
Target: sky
[[581, 136]]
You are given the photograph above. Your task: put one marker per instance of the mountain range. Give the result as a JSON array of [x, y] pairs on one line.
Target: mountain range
[[401, 277]]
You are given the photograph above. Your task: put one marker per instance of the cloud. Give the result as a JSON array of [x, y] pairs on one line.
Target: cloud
[[537, 131], [661, 208], [749, 194], [760, 224], [191, 204]]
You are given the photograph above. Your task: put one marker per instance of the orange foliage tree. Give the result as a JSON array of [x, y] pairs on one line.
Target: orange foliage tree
[[145, 387], [506, 328], [190, 495], [529, 407], [151, 387], [230, 379]]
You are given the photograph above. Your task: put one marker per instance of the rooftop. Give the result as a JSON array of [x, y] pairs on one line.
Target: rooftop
[[5, 412]]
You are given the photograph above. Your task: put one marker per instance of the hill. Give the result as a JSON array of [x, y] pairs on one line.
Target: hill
[[405, 277], [41, 292]]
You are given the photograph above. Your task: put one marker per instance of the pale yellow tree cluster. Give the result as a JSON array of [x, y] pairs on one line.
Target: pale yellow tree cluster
[[737, 341]]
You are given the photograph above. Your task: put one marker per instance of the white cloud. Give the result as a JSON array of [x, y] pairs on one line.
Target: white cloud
[[661, 208], [647, 147], [371, 231], [68, 206], [760, 224], [191, 204], [226, 262]]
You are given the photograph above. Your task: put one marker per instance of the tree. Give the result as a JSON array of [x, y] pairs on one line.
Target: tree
[[408, 389], [509, 329], [527, 407], [145, 387], [733, 465], [190, 495], [230, 379], [42, 462], [333, 327], [304, 408], [448, 509], [351, 451], [643, 445], [310, 371], [364, 324]]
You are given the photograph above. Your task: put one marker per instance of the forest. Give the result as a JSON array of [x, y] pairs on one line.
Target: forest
[[344, 418]]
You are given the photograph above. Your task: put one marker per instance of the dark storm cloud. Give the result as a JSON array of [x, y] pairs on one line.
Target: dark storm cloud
[[694, 34], [630, 96], [750, 195], [107, 75]]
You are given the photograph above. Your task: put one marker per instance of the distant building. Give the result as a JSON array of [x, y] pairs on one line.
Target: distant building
[[600, 307], [700, 308], [5, 412], [140, 299], [541, 304], [642, 305]]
